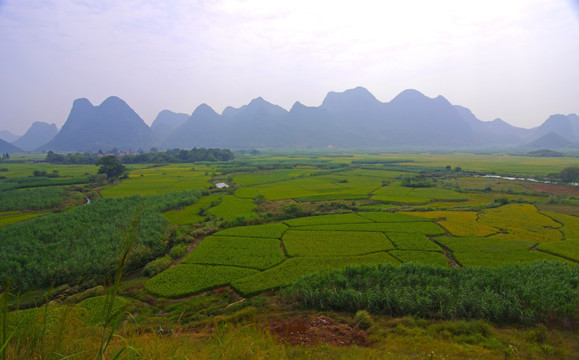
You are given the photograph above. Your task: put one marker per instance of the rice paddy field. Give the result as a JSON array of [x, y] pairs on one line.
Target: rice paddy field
[[314, 218]]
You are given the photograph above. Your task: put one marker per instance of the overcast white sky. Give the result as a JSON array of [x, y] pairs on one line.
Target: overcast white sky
[[516, 59]]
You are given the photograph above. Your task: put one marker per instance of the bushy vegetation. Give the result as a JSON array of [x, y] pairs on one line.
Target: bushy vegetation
[[39, 198], [82, 246], [179, 156], [169, 156], [510, 293]]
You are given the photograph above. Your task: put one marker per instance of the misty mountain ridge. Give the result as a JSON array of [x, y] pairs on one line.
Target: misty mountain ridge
[[165, 123], [352, 119], [8, 136], [38, 134], [91, 128], [6, 147]]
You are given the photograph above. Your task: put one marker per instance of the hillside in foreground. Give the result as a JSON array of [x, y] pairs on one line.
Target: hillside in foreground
[[398, 256]]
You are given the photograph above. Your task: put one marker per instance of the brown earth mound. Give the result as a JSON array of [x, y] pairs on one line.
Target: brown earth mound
[[317, 330], [553, 189]]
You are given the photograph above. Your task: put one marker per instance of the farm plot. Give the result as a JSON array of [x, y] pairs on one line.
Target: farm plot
[[521, 222], [570, 223], [275, 230], [483, 244], [188, 279], [19, 170], [568, 249], [328, 220], [232, 207], [410, 241], [501, 258], [334, 243], [158, 180], [31, 199], [388, 217], [492, 251], [264, 177], [293, 269], [422, 257], [190, 214], [13, 217], [95, 308], [324, 187], [459, 223], [395, 193], [426, 228], [252, 252], [488, 184]]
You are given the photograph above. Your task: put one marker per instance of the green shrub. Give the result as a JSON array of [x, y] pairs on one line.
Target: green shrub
[[363, 320], [157, 266], [178, 251]]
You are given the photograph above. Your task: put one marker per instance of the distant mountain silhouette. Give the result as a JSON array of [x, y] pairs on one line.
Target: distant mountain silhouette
[[38, 134], [6, 147], [165, 123], [353, 119], [566, 126], [8, 136], [551, 140], [350, 119], [492, 132], [111, 124]]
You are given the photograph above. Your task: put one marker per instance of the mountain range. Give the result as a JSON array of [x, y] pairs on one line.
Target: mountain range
[[350, 119], [38, 134]]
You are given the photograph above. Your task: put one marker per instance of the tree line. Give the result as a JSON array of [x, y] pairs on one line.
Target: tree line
[[153, 156]]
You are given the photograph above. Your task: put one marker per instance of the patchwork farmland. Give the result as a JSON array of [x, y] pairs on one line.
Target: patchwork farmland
[[305, 231]]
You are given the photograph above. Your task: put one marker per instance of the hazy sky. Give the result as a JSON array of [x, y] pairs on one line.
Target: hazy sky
[[513, 59]]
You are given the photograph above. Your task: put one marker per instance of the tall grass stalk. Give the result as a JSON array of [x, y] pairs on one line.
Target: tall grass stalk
[[4, 338], [111, 319], [511, 293]]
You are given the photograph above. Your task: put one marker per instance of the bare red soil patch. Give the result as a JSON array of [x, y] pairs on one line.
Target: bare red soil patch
[[317, 330], [553, 189]]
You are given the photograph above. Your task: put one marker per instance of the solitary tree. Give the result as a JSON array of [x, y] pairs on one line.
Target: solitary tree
[[570, 174], [111, 166]]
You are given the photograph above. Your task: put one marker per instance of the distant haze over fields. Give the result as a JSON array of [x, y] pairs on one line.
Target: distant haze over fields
[[515, 60], [353, 119]]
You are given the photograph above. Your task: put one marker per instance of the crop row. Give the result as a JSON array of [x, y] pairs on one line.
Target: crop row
[[274, 230], [426, 228], [334, 243], [521, 222], [187, 279], [231, 207], [568, 248], [459, 223], [257, 253], [293, 269], [413, 241]]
